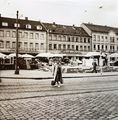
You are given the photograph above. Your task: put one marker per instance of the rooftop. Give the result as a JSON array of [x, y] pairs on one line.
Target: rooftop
[[65, 29], [101, 28]]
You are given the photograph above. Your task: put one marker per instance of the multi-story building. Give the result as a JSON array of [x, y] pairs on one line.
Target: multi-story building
[[69, 40], [31, 34], [104, 38]]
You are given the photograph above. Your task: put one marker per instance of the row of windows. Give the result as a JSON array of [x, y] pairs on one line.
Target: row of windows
[[68, 47], [27, 35], [12, 45], [98, 37], [69, 38], [28, 26], [104, 47]]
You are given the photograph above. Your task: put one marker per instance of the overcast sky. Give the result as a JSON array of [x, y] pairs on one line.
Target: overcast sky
[[68, 12]]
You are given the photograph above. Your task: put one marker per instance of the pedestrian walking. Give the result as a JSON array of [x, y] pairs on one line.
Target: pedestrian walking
[[94, 66], [57, 73]]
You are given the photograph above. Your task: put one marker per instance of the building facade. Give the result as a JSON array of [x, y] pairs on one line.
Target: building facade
[[31, 36], [104, 38], [69, 40]]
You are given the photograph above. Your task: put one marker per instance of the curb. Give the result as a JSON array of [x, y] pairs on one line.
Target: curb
[[40, 78]]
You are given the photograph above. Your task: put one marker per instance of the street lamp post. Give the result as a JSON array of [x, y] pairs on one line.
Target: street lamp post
[[101, 62], [17, 50]]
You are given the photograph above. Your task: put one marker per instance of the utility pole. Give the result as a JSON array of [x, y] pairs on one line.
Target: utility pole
[[17, 47]]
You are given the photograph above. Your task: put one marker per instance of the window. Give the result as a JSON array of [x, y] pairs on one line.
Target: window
[[1, 33], [15, 25], [112, 39], [76, 39], [42, 46], [7, 33], [84, 40], [113, 48], [1, 44], [73, 39], [88, 40], [77, 48], [98, 47], [7, 44], [102, 47], [25, 45], [28, 26], [99, 37], [85, 48], [106, 47], [68, 46], [39, 27], [20, 34], [68, 39], [102, 37], [50, 46], [88, 48], [31, 45], [25, 34], [20, 44], [59, 47], [14, 34], [31, 35], [4, 24], [94, 47], [42, 36], [13, 44], [55, 46], [64, 46], [72, 47], [55, 37], [36, 46], [94, 37], [80, 39], [81, 48], [64, 38], [36, 36]]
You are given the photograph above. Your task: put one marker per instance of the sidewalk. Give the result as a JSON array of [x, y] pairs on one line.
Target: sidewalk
[[36, 74]]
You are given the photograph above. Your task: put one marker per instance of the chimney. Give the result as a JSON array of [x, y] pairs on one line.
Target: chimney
[[26, 18], [54, 23]]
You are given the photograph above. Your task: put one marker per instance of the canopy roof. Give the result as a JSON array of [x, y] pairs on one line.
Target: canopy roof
[[2, 55], [44, 55], [14, 55], [27, 56], [48, 55], [92, 54]]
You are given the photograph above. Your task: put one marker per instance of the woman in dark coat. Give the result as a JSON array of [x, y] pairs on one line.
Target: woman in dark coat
[[57, 72]]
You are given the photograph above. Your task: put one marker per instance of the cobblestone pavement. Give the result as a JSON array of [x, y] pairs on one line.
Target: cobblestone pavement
[[103, 106], [79, 99]]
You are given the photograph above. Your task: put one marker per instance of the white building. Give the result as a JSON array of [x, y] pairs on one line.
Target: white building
[[104, 38], [32, 36]]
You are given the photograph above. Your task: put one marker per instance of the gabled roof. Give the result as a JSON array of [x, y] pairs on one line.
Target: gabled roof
[[65, 30], [22, 22], [101, 28]]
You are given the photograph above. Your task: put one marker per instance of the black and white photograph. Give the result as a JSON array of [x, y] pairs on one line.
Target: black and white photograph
[[58, 59]]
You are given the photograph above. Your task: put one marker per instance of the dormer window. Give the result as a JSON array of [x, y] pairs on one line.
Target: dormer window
[[4, 24], [28, 26], [15, 25], [39, 27]]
